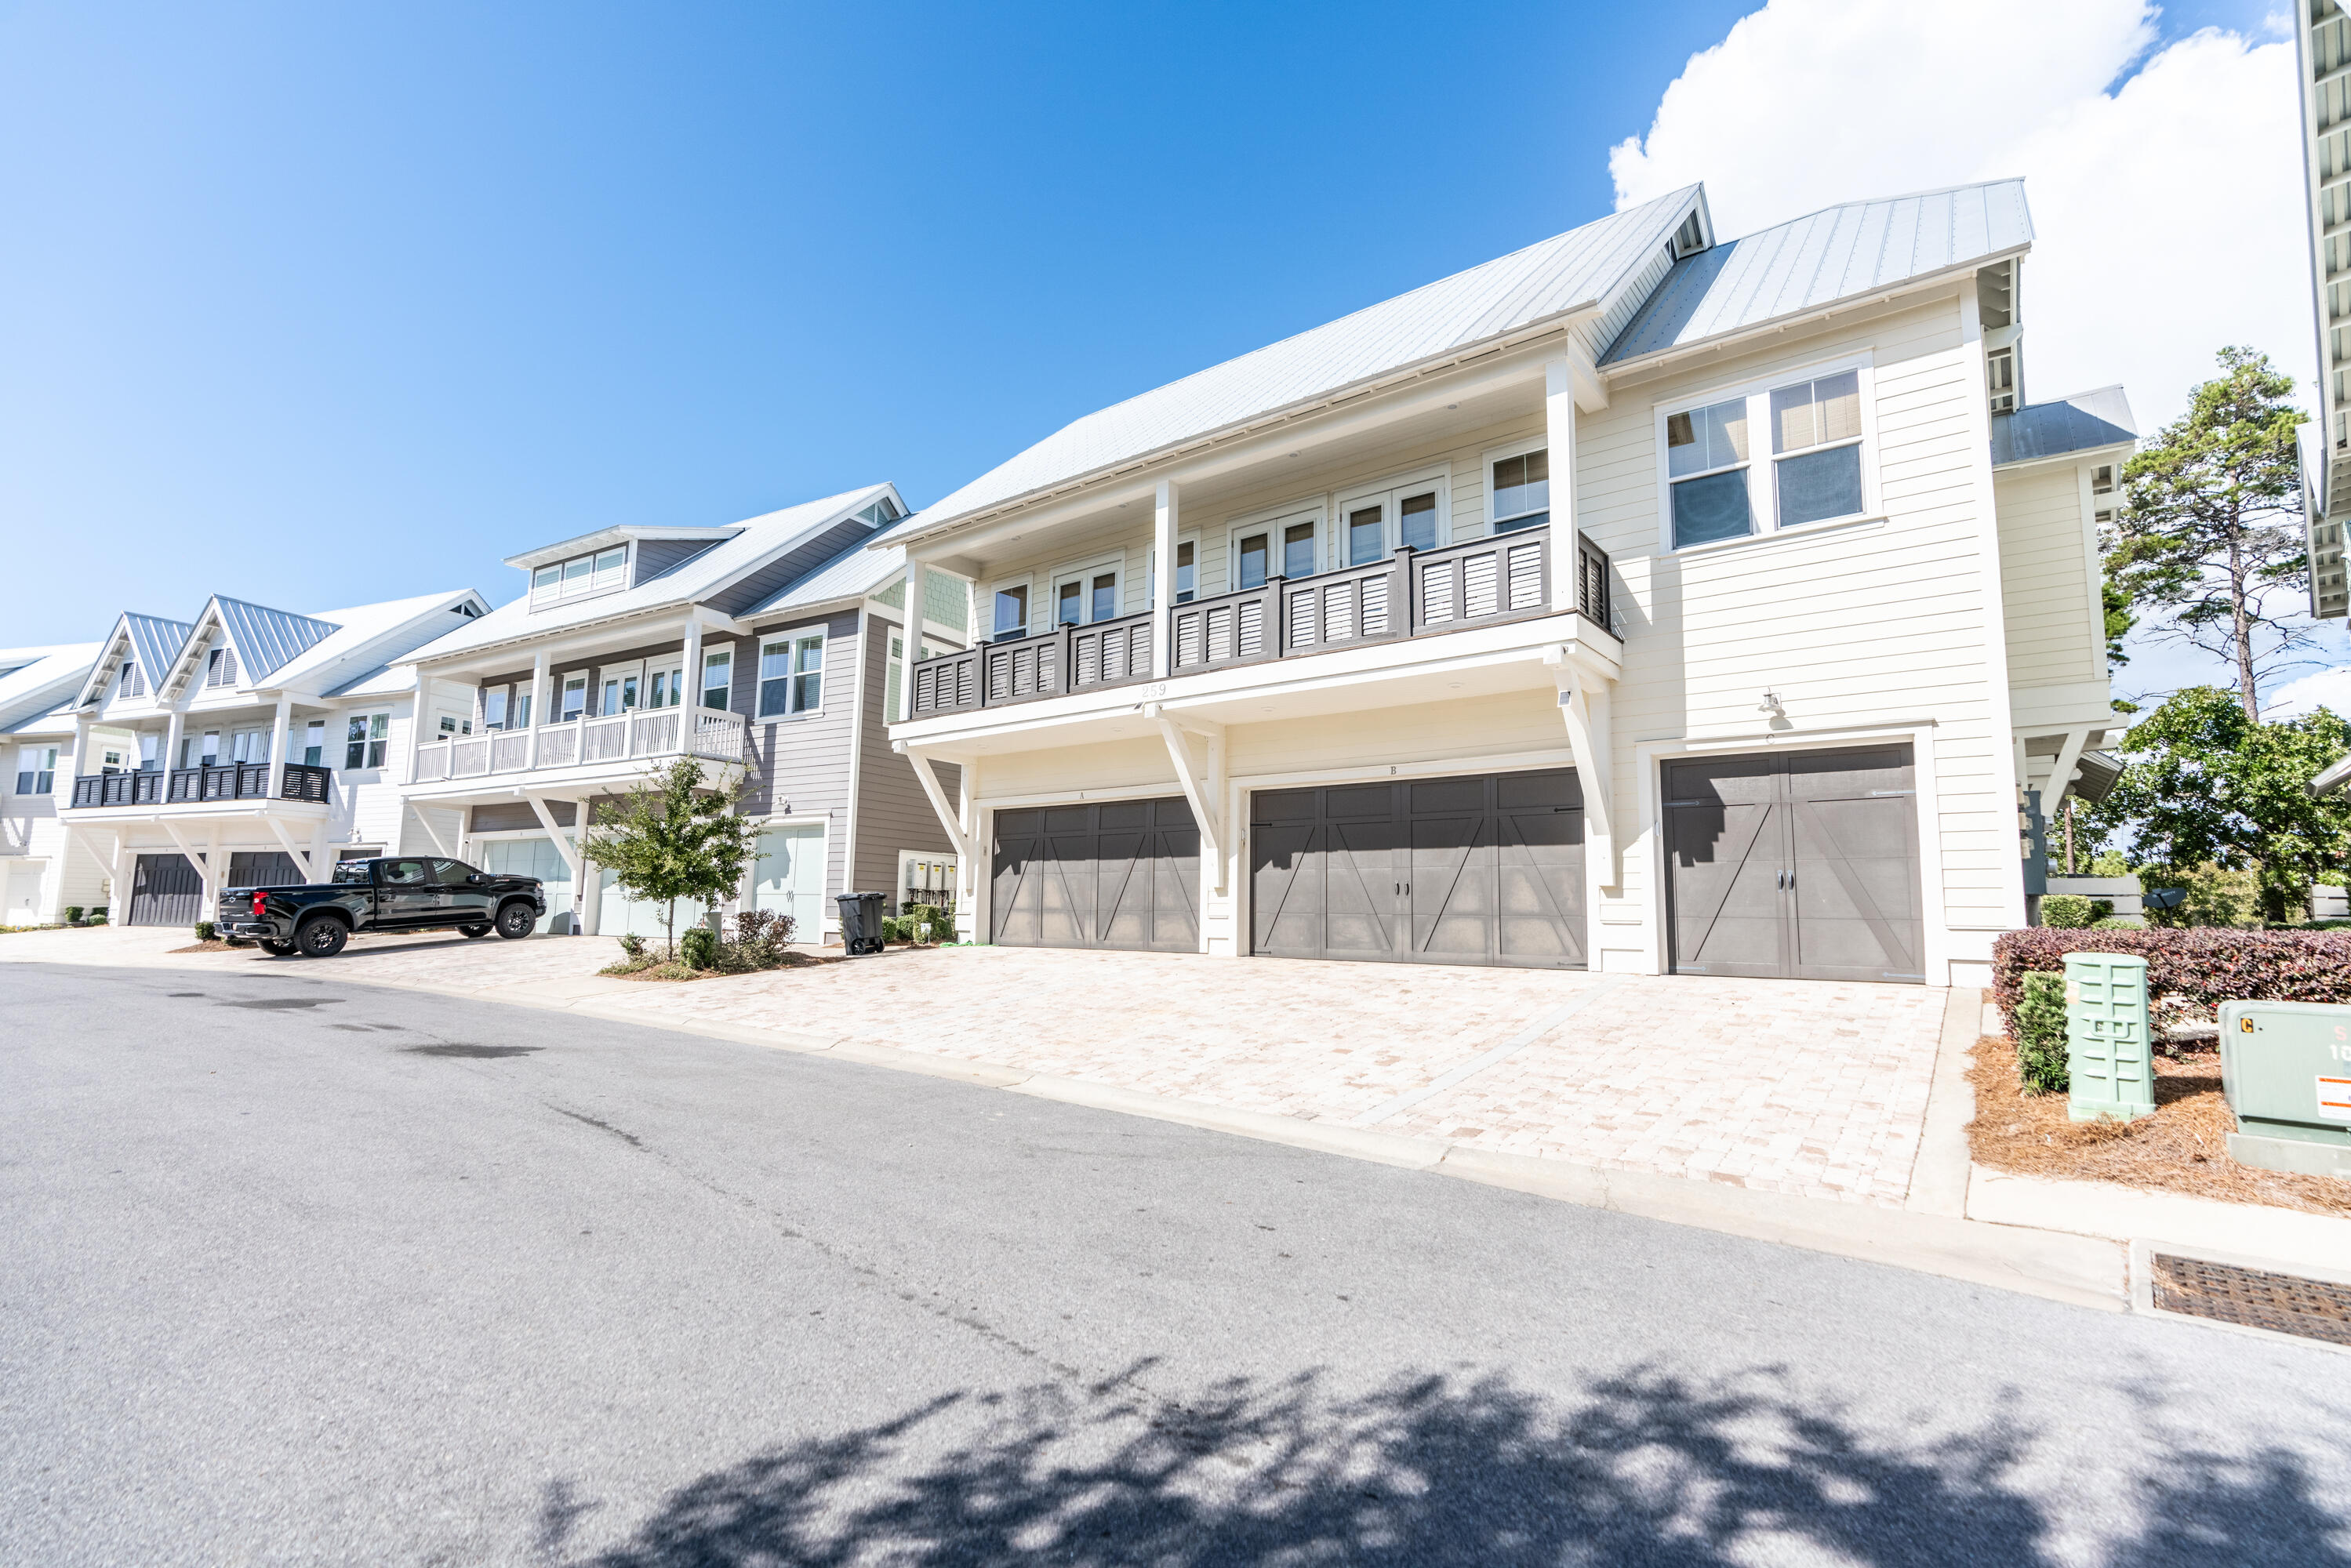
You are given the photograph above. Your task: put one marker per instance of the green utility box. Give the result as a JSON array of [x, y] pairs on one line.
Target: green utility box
[[2287, 1070], [2108, 1048]]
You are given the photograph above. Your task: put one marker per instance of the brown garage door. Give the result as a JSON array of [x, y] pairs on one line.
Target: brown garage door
[[1123, 873], [1486, 869], [1803, 866], [166, 889]]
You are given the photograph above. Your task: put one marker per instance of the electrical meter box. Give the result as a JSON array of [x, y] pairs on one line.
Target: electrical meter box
[[2287, 1070], [2109, 1053]]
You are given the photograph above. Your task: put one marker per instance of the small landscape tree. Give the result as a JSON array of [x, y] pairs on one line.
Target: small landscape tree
[[673, 838]]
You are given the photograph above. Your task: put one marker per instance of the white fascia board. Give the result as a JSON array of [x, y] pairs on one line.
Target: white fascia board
[[1142, 469], [579, 636], [1867, 299]]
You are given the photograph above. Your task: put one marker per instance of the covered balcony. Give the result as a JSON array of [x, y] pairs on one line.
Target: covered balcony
[[567, 749], [202, 785]]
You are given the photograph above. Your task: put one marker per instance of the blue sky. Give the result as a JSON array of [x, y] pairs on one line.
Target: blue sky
[[318, 305]]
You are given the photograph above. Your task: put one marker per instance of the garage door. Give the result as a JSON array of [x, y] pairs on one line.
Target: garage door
[[536, 857], [166, 889], [1125, 873], [1487, 869], [1803, 866], [788, 878], [263, 867]]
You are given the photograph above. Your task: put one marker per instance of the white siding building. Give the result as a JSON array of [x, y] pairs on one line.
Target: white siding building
[[1638, 600]]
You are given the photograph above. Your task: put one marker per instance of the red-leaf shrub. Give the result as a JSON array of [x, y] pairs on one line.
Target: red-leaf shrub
[[2205, 966]]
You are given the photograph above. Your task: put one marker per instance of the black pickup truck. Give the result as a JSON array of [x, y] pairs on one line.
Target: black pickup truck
[[408, 894]]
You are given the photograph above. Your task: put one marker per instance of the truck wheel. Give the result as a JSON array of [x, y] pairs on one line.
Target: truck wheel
[[515, 921], [321, 937], [275, 949], [470, 932]]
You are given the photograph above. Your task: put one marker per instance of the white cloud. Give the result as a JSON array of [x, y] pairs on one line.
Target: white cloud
[[2329, 689], [2168, 211]]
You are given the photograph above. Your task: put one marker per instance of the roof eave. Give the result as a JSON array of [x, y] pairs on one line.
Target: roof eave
[[1132, 467]]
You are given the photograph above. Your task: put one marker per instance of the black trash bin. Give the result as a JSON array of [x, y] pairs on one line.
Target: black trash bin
[[860, 921]]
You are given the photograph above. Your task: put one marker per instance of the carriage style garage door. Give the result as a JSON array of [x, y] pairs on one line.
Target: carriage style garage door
[[166, 889], [1123, 873], [1481, 870], [263, 867], [1803, 864]]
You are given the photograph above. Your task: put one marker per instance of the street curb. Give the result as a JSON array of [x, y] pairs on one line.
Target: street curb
[[1938, 1174], [2281, 1238]]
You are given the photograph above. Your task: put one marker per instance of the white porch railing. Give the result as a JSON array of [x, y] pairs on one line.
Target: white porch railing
[[629, 736]]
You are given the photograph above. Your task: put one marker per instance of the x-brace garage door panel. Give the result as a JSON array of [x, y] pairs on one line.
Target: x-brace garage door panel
[[1803, 866], [1487, 869], [1123, 873], [166, 889]]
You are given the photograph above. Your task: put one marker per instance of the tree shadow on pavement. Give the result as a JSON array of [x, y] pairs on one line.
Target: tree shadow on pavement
[[1646, 1468]]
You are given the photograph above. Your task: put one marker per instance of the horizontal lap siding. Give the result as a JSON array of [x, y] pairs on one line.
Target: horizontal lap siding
[[804, 763], [1866, 625], [892, 812], [2044, 578]]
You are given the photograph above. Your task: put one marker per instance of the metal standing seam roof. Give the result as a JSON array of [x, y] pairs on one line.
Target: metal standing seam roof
[[268, 640], [1812, 262], [759, 538], [155, 641], [2077, 424], [1565, 273], [856, 572]]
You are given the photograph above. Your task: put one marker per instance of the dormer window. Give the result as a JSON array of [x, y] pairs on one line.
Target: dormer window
[[220, 667], [593, 573], [882, 511], [133, 685]]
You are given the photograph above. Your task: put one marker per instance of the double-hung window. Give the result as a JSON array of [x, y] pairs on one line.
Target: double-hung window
[[575, 695], [1373, 524], [719, 678], [494, 707], [1085, 594], [1519, 493], [364, 737], [314, 744], [1011, 618], [791, 675], [1776, 455], [1287, 546], [37, 769]]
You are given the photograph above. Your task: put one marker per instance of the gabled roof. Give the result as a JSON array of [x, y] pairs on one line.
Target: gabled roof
[[756, 541], [1812, 263], [40, 679], [1555, 277], [151, 641], [2081, 422], [268, 640]]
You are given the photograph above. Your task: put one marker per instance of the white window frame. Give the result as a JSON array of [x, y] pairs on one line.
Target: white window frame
[[1150, 570], [669, 673], [27, 781], [1485, 462], [617, 677], [587, 679], [1083, 575], [370, 741], [586, 581], [1762, 467], [1027, 580], [1388, 493], [722, 658], [792, 640], [1275, 520]]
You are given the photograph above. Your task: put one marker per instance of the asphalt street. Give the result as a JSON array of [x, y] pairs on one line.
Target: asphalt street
[[293, 1271]]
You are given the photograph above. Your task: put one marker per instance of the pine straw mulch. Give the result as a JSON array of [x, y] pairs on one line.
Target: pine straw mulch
[[675, 971], [2183, 1147]]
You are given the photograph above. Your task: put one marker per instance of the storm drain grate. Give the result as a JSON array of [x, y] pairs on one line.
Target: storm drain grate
[[2253, 1298]]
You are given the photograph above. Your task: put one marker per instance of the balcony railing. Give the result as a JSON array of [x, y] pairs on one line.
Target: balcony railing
[[197, 785], [649, 732], [1413, 593]]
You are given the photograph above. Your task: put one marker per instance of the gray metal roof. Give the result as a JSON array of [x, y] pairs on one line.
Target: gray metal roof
[[268, 640], [1838, 253], [1566, 273], [2077, 423], [155, 641]]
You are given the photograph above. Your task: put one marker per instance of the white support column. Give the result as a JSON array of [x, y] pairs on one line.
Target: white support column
[[416, 724], [118, 879], [1206, 796], [281, 726], [215, 874], [917, 592], [689, 671], [81, 750], [321, 859], [538, 694], [2061, 778], [1163, 525], [967, 867], [173, 729], [587, 905], [1584, 707], [1570, 382]]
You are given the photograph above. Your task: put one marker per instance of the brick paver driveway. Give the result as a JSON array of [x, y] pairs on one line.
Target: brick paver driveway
[[1794, 1086]]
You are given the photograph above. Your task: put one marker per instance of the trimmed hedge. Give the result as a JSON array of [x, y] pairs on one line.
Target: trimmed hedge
[[2206, 965]]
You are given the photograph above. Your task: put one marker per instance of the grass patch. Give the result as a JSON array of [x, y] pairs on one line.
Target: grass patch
[[2183, 1147]]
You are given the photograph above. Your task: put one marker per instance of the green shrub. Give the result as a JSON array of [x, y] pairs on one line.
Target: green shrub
[[206, 931], [698, 948], [930, 923], [2066, 912], [96, 916], [898, 928], [73, 914], [632, 945], [2041, 1036]]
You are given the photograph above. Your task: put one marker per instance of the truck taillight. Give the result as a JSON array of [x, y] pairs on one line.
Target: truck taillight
[[260, 905]]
